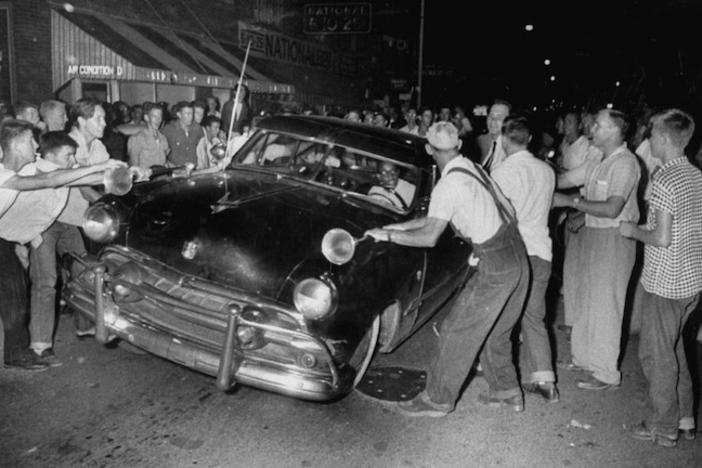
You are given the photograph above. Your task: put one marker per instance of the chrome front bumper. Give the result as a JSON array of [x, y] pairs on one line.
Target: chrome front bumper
[[229, 361]]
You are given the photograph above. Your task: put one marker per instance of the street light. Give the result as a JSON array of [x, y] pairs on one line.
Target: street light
[[547, 62]]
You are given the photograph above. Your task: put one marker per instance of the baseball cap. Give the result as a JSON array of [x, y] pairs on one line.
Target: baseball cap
[[443, 135]]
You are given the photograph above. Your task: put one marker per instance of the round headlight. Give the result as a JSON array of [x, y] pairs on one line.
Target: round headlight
[[314, 298], [338, 246], [101, 223]]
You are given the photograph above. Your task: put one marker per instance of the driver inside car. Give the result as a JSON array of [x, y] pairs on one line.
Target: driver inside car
[[392, 189]]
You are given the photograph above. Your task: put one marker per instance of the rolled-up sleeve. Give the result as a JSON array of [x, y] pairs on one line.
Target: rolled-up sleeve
[[441, 204]]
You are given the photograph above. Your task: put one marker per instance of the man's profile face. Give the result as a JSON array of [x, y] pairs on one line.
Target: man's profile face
[[389, 175], [64, 157], [602, 129], [95, 125]]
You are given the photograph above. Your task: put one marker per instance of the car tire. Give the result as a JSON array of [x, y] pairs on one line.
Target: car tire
[[362, 357]]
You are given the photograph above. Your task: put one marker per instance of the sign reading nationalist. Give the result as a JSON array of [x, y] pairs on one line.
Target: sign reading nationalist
[[337, 18], [278, 47]]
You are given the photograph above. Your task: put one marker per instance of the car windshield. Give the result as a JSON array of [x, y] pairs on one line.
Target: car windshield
[[383, 181]]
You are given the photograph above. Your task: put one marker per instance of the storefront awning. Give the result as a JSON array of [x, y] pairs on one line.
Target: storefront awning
[[89, 45]]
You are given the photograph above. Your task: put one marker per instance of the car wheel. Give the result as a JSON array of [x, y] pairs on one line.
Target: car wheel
[[365, 350]]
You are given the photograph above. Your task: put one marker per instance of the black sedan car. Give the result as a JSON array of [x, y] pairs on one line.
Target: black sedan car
[[259, 274]]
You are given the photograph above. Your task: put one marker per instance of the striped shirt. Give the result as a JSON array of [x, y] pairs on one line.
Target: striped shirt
[[675, 272]]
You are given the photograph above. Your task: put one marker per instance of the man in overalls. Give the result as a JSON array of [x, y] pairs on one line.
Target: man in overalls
[[488, 306]]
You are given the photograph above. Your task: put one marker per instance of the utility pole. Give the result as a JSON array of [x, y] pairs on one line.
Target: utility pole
[[421, 55]]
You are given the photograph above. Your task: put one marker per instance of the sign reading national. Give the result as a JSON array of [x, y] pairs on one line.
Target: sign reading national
[[337, 18]]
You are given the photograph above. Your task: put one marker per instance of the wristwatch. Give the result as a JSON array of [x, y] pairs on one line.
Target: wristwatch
[[389, 236], [576, 201]]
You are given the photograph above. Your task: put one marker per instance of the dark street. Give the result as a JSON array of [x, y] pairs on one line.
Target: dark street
[[113, 407]]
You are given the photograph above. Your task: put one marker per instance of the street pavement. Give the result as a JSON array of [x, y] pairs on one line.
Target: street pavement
[[115, 407]]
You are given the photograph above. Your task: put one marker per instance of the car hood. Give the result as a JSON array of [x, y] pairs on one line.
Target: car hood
[[245, 228]]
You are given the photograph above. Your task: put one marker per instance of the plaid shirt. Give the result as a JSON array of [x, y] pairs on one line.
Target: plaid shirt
[[675, 272]]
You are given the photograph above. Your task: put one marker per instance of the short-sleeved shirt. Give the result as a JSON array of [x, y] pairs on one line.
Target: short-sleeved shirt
[[616, 175], [652, 164], [574, 154], [34, 211], [675, 272], [529, 184], [147, 148], [86, 155], [7, 196], [183, 143], [465, 203]]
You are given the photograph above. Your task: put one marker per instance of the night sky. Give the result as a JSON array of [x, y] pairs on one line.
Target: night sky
[[650, 48]]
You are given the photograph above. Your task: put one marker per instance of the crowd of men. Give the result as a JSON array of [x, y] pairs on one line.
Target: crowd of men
[[500, 203], [497, 191]]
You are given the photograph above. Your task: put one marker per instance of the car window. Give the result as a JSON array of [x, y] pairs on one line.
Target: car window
[[385, 182]]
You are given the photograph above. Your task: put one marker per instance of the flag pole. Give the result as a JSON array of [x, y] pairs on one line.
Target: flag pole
[[236, 96]]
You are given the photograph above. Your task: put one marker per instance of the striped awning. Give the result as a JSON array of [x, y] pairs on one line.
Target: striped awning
[[90, 45]]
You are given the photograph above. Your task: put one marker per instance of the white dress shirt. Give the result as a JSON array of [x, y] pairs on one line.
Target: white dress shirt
[[529, 184]]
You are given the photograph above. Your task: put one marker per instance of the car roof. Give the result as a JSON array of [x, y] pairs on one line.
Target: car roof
[[386, 142]]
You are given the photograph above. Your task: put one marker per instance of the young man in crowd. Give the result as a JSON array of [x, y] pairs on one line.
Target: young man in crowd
[[529, 183], [183, 136], [149, 147], [671, 279], [489, 305], [18, 148], [205, 159], [490, 145], [606, 259]]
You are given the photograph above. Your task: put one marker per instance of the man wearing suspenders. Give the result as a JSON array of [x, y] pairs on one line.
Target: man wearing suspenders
[[488, 306]]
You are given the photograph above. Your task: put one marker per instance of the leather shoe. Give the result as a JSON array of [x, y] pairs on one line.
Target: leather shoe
[[569, 366], [546, 390], [515, 402], [422, 405], [688, 434], [27, 361], [643, 432], [591, 383]]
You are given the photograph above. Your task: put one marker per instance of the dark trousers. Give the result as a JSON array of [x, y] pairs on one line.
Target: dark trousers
[[14, 301], [663, 360], [536, 349], [483, 315]]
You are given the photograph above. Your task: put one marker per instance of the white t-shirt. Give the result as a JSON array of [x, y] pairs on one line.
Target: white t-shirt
[[33, 211], [85, 156], [7, 196], [529, 184], [463, 201]]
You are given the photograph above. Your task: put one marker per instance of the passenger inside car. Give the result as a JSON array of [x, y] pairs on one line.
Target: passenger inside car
[[393, 189]]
